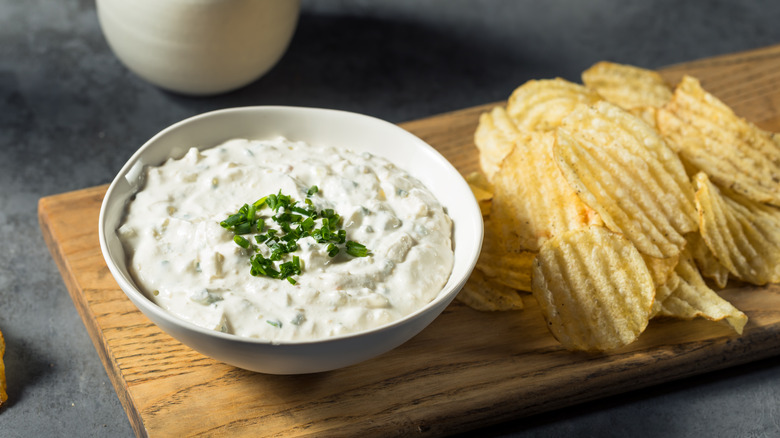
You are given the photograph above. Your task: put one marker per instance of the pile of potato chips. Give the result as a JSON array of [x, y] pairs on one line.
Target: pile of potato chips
[[612, 202]]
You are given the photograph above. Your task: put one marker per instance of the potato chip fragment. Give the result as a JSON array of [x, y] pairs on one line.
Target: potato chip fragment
[[705, 260], [627, 86], [664, 291], [479, 181], [593, 288], [3, 392], [540, 105], [660, 269], [484, 294], [692, 298], [495, 137], [482, 190], [647, 114], [532, 200], [732, 151], [512, 269], [621, 168], [744, 235]]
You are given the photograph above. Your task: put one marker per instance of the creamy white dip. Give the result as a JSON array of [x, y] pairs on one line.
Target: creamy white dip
[[188, 264]]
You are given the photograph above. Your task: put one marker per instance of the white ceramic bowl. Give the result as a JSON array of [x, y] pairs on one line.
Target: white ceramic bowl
[[315, 126], [198, 47]]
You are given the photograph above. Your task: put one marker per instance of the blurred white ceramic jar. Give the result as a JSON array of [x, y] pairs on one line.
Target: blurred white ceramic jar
[[199, 47]]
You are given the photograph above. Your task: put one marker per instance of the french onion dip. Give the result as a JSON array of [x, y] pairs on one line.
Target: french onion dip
[[188, 263]]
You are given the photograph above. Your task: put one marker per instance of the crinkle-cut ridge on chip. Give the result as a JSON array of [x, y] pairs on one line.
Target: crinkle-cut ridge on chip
[[532, 200], [593, 288], [540, 105], [625, 171], [744, 235], [732, 151], [627, 86]]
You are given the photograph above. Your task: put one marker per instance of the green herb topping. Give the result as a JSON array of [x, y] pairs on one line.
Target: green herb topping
[[294, 223]]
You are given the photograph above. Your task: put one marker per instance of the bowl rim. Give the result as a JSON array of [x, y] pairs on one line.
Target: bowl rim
[[144, 304]]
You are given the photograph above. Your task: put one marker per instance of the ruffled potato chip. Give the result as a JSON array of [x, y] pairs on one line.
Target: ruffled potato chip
[[705, 260], [484, 294], [540, 105], [482, 190], [692, 298], [495, 137], [532, 200], [593, 288], [661, 269], [664, 291], [3, 393], [744, 235], [647, 114], [627, 86], [512, 269], [732, 151], [621, 168]]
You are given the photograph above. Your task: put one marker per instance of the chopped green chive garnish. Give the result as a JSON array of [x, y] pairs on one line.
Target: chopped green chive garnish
[[240, 241], [332, 250], [260, 203], [233, 220], [243, 228], [356, 249], [250, 214], [295, 222]]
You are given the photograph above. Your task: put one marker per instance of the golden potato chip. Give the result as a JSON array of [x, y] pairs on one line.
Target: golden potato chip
[[627, 86], [660, 269], [484, 294], [3, 393], [511, 269], [647, 114], [620, 167], [479, 181], [593, 288], [540, 105], [482, 190], [692, 298], [495, 137], [743, 234], [705, 260], [532, 200], [732, 151], [664, 291]]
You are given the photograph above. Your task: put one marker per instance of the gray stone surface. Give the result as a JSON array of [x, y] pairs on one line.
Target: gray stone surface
[[71, 114]]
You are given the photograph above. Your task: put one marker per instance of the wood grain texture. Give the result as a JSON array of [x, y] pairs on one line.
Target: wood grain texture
[[467, 370]]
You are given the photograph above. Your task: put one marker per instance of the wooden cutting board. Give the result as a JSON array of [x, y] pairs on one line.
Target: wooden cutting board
[[467, 370]]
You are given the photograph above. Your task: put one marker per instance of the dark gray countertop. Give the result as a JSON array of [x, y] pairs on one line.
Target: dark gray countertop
[[71, 114]]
